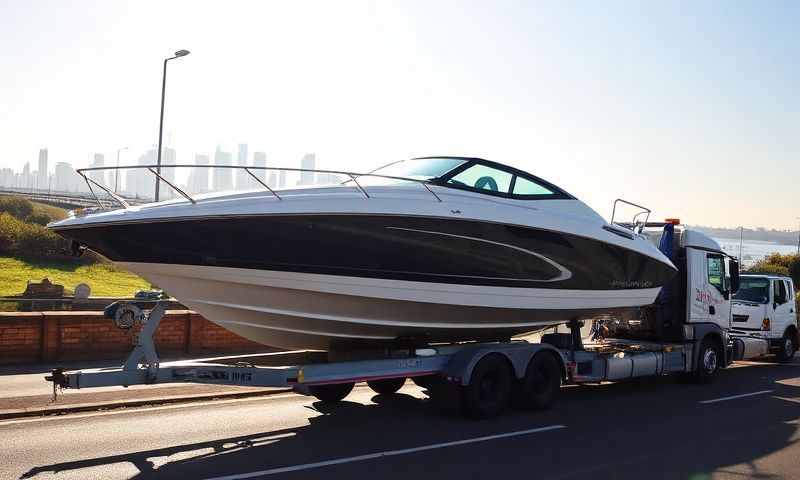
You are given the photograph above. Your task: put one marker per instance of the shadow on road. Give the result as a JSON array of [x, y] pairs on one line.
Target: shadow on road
[[656, 422]]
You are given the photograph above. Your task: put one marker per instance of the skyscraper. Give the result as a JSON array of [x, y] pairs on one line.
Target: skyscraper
[[98, 176], [66, 178], [260, 160], [308, 163], [42, 174], [198, 177], [223, 178], [26, 179], [243, 179], [168, 157]]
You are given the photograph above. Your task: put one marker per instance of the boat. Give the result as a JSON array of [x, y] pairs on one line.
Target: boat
[[433, 249]]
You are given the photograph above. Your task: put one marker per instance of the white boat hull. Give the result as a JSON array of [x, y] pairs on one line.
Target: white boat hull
[[314, 311]]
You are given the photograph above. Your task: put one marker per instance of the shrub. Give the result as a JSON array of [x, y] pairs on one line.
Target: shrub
[[781, 264], [768, 268], [39, 218], [16, 206], [27, 239], [37, 241]]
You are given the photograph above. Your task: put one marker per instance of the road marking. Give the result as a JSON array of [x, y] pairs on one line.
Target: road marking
[[734, 397], [386, 453]]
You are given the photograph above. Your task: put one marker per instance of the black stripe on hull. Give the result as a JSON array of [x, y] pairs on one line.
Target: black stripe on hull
[[420, 249]]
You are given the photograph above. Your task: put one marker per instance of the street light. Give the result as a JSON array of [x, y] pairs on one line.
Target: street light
[[798, 235], [178, 54], [116, 172]]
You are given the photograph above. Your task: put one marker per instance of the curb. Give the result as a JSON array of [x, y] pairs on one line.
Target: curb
[[91, 407]]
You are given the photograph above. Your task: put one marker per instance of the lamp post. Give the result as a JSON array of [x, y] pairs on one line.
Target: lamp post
[[178, 54], [116, 172], [798, 235]]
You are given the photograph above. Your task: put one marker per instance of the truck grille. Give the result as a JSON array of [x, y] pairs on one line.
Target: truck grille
[[740, 318]]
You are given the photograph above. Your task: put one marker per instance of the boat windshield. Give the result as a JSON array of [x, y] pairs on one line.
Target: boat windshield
[[753, 289], [420, 168]]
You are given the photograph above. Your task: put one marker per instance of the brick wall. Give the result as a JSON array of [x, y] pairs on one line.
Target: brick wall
[[27, 337]]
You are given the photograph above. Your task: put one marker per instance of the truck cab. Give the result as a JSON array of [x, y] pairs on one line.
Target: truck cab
[[764, 309]]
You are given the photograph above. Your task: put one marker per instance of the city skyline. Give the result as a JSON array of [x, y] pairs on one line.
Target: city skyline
[[139, 183], [681, 107]]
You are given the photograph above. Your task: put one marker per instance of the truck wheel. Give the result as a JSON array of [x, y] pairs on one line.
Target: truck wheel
[[489, 389], [332, 393], [708, 362], [386, 386], [542, 383], [788, 348]]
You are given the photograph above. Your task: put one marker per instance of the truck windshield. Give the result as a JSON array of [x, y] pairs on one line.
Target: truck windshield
[[753, 290]]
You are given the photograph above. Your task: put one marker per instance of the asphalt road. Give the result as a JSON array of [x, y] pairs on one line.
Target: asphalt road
[[651, 429]]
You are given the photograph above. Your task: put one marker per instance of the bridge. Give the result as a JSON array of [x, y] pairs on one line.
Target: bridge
[[67, 200]]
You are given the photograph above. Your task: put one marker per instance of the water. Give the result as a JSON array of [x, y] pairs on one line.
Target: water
[[753, 250]]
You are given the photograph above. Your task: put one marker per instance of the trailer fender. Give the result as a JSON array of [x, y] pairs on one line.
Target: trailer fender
[[459, 368]]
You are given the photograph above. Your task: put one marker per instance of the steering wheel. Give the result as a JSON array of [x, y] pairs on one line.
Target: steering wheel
[[483, 182]]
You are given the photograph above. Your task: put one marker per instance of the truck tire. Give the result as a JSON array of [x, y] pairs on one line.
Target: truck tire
[[332, 393], [542, 383], [489, 389], [386, 386], [788, 349], [708, 361]]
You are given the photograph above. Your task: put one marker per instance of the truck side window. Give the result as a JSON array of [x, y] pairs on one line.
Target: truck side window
[[716, 272], [780, 291]]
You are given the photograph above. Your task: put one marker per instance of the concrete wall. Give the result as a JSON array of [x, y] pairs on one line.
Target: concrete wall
[[29, 337]]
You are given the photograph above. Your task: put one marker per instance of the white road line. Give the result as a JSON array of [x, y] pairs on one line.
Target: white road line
[[386, 453], [734, 397]]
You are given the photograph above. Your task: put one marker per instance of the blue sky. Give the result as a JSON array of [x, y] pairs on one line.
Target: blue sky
[[688, 107]]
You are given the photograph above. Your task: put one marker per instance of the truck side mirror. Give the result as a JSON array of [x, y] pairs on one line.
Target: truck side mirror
[[734, 266]]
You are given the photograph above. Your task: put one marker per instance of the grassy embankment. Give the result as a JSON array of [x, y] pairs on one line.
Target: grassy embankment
[[30, 252]]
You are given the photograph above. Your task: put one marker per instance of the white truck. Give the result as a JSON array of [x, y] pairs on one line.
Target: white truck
[[686, 331], [764, 319]]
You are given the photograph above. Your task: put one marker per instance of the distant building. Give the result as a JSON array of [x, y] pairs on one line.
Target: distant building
[[223, 177], [66, 179], [168, 157], [260, 160], [282, 179], [25, 178], [198, 177], [98, 176], [42, 173], [243, 179], [308, 162]]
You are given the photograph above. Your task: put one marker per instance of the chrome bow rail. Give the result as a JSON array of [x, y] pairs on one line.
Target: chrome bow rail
[[86, 172], [634, 224]]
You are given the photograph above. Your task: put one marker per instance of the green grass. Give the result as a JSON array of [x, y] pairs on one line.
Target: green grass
[[103, 278]]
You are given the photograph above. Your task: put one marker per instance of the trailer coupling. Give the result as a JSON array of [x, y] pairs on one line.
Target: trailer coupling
[[59, 380]]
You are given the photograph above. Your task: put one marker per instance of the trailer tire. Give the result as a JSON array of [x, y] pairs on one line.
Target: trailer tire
[[331, 393], [788, 348], [386, 386], [708, 361], [542, 383], [489, 388]]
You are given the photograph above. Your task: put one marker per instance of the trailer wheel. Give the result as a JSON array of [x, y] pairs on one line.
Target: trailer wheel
[[332, 393], [788, 349], [708, 362], [386, 386], [542, 383], [489, 389]]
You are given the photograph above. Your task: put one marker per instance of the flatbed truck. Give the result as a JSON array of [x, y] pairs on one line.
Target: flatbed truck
[[685, 332]]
